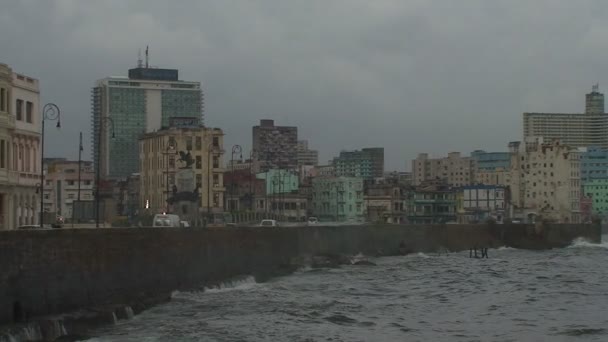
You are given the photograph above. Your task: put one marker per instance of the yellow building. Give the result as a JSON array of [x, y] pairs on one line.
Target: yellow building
[[163, 156]]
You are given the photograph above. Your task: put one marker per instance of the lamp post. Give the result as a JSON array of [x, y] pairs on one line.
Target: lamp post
[[103, 122], [50, 112], [236, 149], [171, 149], [251, 195]]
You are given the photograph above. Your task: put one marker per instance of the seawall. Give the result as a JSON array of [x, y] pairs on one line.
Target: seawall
[[55, 271]]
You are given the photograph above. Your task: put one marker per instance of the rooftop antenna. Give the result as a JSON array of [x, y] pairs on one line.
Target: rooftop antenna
[[139, 61], [596, 88], [147, 56]]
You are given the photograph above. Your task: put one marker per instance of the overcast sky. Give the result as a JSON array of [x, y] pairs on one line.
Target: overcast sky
[[411, 76]]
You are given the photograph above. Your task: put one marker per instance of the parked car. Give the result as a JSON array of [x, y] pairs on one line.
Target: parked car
[[166, 220], [269, 223], [312, 221]]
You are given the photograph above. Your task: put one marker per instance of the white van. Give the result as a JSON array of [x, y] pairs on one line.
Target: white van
[[166, 220]]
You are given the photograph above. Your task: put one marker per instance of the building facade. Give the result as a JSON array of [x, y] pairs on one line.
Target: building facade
[[184, 157], [491, 168], [275, 147], [594, 163], [597, 191], [368, 163], [575, 130], [455, 170], [338, 199], [387, 202], [545, 181], [142, 103], [61, 186], [20, 127], [433, 202], [306, 156], [482, 202]]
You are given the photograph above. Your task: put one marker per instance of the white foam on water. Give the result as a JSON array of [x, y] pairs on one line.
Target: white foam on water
[[505, 248], [234, 285], [240, 284], [129, 312], [422, 255], [114, 318], [582, 242]]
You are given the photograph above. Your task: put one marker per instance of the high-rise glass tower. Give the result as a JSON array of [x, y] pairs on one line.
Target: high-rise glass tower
[[141, 103]]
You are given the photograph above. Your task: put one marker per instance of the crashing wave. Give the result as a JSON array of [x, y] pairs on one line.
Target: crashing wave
[[582, 242]]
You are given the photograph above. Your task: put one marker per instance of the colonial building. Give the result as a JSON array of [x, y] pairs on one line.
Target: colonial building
[[338, 198], [19, 149], [387, 202], [433, 202], [182, 159]]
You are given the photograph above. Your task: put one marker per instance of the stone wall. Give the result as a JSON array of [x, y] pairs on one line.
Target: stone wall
[[54, 271]]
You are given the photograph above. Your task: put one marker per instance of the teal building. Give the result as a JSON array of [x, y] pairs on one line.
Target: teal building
[[597, 190], [279, 181], [124, 108], [338, 199]]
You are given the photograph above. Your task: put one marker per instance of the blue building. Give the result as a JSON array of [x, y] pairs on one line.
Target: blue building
[[594, 164], [491, 161]]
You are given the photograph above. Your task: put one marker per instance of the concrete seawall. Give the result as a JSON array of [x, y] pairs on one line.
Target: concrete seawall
[[48, 272]]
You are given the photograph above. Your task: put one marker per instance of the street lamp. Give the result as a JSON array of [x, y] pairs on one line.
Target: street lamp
[[50, 112], [103, 122], [236, 149]]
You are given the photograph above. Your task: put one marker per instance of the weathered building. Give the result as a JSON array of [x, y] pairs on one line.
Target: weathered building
[[275, 147], [338, 198]]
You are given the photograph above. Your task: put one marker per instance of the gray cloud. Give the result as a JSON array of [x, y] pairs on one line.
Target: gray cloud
[[412, 76]]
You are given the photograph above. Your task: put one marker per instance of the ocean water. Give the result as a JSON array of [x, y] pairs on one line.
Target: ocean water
[[515, 295]]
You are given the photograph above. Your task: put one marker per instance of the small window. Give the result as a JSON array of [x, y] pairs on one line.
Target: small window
[[29, 108], [19, 110]]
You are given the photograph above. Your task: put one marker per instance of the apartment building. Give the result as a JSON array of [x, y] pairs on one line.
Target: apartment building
[[307, 156], [275, 147], [545, 181], [575, 130], [368, 163], [454, 170]]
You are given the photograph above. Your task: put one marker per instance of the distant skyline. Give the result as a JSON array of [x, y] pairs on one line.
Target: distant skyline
[[409, 76]]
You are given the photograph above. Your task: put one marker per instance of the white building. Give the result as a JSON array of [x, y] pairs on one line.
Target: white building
[[573, 129], [19, 149], [545, 181]]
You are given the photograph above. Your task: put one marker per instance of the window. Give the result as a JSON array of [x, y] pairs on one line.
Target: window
[[87, 182], [189, 143], [216, 142], [71, 196], [199, 143], [216, 179], [199, 162], [19, 110], [2, 103], [199, 180], [216, 162], [70, 182], [28, 111], [2, 155]]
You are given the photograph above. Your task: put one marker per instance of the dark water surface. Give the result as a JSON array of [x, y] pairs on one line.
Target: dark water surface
[[516, 295]]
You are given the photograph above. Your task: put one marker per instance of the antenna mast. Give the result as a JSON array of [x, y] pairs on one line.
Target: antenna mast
[[147, 56]]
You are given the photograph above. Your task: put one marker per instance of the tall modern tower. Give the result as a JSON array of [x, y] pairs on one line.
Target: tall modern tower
[[141, 103]]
